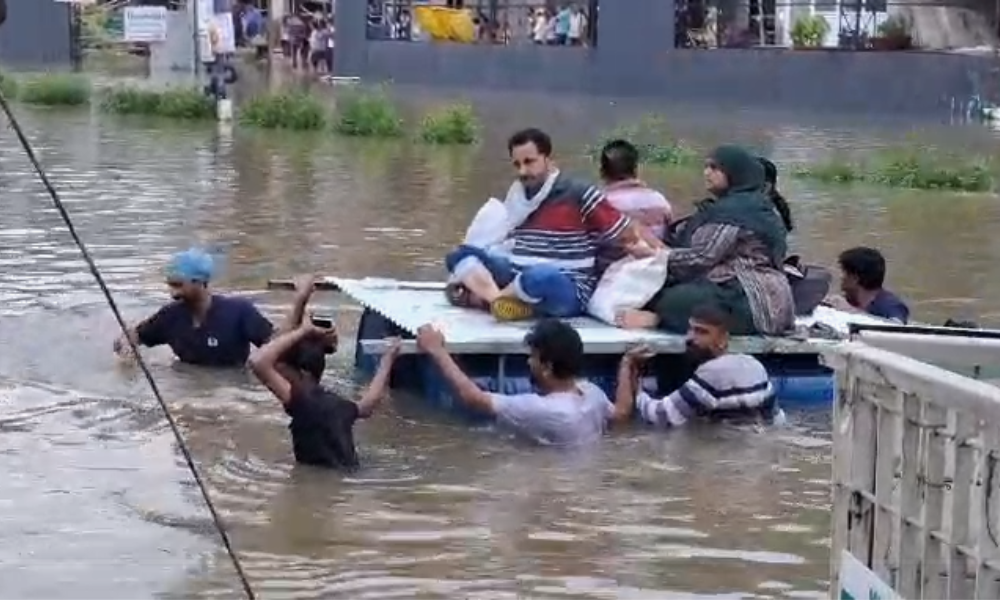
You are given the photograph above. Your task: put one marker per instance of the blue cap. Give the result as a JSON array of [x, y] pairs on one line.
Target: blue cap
[[191, 265]]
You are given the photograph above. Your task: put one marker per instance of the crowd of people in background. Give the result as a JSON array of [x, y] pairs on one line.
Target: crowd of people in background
[[305, 39]]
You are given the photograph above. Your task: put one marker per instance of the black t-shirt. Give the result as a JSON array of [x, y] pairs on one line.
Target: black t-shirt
[[323, 428]]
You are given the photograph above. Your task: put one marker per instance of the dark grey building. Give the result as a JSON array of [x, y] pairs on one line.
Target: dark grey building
[[635, 56], [37, 34]]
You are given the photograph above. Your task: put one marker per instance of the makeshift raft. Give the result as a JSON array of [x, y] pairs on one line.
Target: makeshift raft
[[494, 355]]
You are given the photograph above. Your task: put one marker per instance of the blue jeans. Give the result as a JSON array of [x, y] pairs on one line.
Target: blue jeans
[[551, 292]]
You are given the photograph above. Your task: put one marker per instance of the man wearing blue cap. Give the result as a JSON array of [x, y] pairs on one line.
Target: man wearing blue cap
[[201, 328]]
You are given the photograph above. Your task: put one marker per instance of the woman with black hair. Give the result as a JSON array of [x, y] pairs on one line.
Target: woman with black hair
[[771, 191], [729, 253]]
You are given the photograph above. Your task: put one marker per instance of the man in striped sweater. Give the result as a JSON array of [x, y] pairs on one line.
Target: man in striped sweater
[[556, 226], [723, 385]]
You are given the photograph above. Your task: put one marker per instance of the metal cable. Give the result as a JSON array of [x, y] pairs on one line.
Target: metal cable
[[202, 487]]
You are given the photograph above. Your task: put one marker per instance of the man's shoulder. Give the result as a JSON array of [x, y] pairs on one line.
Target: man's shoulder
[[888, 297], [570, 185], [730, 367], [236, 304], [174, 310]]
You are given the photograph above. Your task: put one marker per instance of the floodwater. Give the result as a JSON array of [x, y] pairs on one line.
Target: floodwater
[[96, 502]]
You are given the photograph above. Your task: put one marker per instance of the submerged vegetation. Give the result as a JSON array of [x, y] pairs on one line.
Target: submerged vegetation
[[54, 89], [455, 124], [295, 110], [915, 168], [372, 113], [656, 144], [174, 103], [367, 113]]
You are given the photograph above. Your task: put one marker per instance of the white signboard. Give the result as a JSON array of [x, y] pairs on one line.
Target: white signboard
[[145, 23], [857, 582]]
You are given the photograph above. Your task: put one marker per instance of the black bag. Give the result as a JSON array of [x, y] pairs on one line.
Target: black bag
[[810, 284]]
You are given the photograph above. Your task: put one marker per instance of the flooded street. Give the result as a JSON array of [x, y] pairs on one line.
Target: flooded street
[[97, 503]]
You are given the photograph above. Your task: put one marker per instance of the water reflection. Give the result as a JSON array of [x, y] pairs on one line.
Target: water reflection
[[440, 511]]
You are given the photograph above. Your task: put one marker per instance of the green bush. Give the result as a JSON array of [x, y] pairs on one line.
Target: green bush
[[8, 86], [456, 124], [367, 114], [915, 169], [655, 143], [295, 110], [54, 89], [174, 103]]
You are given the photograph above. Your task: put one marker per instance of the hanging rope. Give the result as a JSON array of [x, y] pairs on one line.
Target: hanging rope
[[220, 527]]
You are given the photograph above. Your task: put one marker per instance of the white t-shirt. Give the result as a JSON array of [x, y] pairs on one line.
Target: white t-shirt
[[560, 419], [575, 26], [731, 383]]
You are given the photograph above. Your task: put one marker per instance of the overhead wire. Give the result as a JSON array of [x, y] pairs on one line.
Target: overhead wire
[[188, 458]]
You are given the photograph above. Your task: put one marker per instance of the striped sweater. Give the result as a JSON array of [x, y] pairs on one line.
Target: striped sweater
[[566, 230], [729, 385]]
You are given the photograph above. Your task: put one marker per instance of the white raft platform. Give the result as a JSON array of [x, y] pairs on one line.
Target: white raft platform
[[411, 304]]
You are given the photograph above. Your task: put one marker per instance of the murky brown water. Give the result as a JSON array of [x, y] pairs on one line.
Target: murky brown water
[[96, 503]]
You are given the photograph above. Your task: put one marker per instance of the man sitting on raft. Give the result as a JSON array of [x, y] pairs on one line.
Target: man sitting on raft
[[554, 233], [201, 328], [724, 385], [728, 253]]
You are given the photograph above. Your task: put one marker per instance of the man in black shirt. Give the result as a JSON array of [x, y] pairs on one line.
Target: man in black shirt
[[291, 366]]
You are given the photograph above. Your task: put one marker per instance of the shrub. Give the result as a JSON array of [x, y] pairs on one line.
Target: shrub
[[54, 89], [8, 86], [656, 145], [456, 124], [916, 169], [367, 114], [295, 110], [174, 103]]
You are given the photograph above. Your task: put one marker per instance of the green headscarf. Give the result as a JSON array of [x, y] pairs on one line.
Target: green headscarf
[[742, 204]]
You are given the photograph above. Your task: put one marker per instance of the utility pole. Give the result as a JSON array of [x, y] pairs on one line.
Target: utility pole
[[196, 17]]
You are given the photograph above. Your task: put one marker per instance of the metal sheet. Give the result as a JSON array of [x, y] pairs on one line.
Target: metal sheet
[[470, 331]]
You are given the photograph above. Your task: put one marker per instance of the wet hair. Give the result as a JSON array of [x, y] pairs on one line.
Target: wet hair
[[559, 346], [619, 160], [780, 204], [532, 135], [865, 264], [712, 314], [308, 355]]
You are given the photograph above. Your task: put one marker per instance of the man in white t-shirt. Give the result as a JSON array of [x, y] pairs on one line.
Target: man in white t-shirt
[[566, 411], [723, 385]]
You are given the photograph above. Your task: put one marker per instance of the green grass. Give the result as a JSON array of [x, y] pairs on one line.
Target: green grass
[[8, 86], [367, 113], [455, 124], [54, 89], [656, 144], [175, 103], [295, 110], [908, 168]]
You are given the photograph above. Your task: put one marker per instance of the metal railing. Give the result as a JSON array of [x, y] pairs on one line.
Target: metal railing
[[916, 487]]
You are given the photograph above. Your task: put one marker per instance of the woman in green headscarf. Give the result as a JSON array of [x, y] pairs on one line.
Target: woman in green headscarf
[[728, 253]]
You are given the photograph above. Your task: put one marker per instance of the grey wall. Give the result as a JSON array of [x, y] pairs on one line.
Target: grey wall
[[36, 34], [635, 58]]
